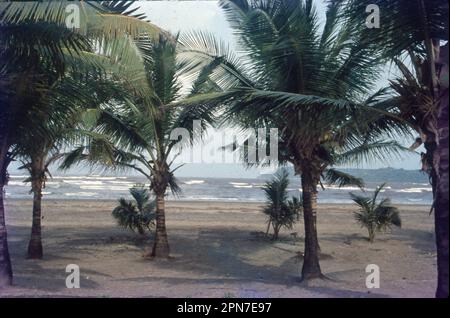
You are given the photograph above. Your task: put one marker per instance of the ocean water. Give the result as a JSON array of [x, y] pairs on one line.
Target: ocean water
[[97, 187]]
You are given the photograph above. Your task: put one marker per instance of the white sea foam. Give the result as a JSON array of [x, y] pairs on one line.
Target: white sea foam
[[80, 194], [238, 183], [87, 178], [347, 188], [104, 187], [191, 182], [83, 182], [194, 198], [415, 190], [18, 183], [259, 185], [121, 182]]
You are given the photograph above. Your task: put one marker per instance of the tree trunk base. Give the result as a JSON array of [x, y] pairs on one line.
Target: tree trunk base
[[5, 280], [160, 251], [35, 250], [313, 276]]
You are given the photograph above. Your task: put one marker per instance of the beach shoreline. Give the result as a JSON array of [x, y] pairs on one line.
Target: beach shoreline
[[205, 201]]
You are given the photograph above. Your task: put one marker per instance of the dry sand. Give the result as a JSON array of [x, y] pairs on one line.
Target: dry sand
[[218, 251]]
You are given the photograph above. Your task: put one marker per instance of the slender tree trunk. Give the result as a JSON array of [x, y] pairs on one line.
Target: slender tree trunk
[[276, 231], [311, 267], [141, 230], [161, 245], [6, 274], [268, 228], [441, 209], [315, 226], [35, 250], [371, 235], [298, 172]]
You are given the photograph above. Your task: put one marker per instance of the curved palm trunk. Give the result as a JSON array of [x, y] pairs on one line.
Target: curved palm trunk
[[161, 244], [442, 186], [6, 274], [35, 250], [311, 267]]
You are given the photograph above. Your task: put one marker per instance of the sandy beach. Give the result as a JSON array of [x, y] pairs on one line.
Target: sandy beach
[[218, 250]]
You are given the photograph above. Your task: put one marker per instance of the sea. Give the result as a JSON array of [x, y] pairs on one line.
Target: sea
[[402, 187]]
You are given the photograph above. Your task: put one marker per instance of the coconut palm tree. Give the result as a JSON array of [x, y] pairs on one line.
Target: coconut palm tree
[[423, 27], [312, 83], [137, 133], [376, 216], [39, 137], [35, 33], [416, 105]]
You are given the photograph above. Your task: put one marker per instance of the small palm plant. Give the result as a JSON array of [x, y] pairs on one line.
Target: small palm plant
[[281, 211], [139, 215], [376, 216]]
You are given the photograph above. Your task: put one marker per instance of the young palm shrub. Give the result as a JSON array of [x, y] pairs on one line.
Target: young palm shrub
[[376, 216], [281, 211], [139, 215]]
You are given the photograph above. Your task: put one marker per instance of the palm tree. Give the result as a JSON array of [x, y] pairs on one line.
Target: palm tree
[[423, 29], [33, 34], [38, 137], [136, 134], [416, 105], [313, 86], [138, 215], [375, 216], [281, 211]]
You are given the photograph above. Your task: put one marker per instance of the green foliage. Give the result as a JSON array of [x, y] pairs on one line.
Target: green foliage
[[138, 215], [405, 24], [341, 179], [313, 83], [376, 216], [280, 210], [135, 131]]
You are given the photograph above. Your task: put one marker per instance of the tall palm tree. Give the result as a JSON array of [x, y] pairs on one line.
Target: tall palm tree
[[421, 27], [312, 83], [39, 137], [35, 32], [136, 134]]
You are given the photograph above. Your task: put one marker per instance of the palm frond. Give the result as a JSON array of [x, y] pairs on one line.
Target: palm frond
[[342, 179]]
